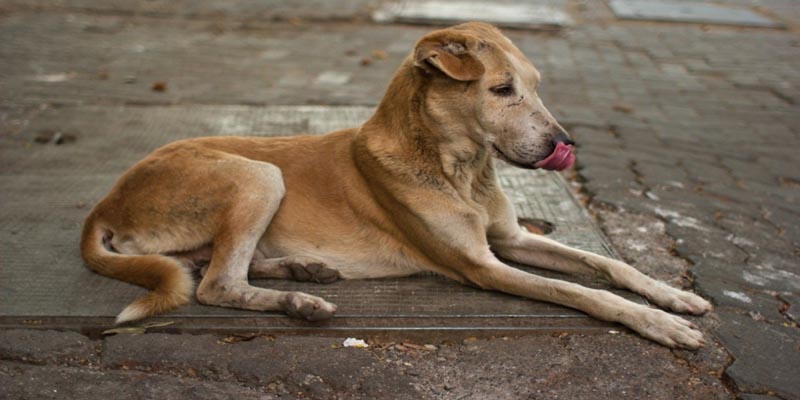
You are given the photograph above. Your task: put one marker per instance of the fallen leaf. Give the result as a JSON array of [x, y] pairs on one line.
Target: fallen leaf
[[236, 338], [127, 330], [136, 329], [622, 107]]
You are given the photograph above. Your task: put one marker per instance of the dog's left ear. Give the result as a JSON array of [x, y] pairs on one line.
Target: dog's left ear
[[449, 54]]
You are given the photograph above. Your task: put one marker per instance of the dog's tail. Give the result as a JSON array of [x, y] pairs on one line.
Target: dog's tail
[[170, 282]]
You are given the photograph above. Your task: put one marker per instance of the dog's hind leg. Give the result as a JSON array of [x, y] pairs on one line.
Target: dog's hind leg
[[299, 268], [250, 212]]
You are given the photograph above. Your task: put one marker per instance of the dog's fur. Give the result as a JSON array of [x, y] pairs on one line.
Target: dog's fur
[[413, 189]]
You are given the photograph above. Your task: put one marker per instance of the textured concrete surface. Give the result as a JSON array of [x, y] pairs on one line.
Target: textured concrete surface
[[210, 367], [686, 131]]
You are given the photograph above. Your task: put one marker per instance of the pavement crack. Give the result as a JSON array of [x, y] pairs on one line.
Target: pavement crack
[[784, 310], [638, 177], [726, 379], [769, 89], [731, 238]]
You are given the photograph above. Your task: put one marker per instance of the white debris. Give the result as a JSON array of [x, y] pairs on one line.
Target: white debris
[[769, 272], [676, 184], [333, 78], [353, 342], [740, 241], [754, 279], [652, 196], [613, 332], [54, 77], [680, 220], [738, 296], [636, 246]]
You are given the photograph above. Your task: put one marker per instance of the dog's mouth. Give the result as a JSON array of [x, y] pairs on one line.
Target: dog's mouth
[[560, 159]]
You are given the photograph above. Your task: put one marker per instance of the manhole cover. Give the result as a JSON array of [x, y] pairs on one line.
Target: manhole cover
[[453, 12], [684, 11]]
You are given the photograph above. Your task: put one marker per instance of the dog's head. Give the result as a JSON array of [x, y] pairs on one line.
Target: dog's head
[[480, 84]]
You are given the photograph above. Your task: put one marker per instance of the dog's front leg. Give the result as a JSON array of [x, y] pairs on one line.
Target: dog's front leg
[[539, 251], [490, 273]]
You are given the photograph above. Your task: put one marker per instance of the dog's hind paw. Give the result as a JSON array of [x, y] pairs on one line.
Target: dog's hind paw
[[313, 271], [305, 306]]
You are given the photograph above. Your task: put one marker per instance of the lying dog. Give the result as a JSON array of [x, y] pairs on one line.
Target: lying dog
[[413, 189]]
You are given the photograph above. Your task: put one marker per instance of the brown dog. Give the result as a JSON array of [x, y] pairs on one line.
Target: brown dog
[[413, 189]]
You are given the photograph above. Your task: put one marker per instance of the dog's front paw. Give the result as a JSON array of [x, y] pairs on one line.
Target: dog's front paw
[[667, 329], [306, 306], [679, 300]]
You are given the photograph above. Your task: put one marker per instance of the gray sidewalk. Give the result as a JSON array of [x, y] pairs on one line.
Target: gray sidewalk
[[687, 157]]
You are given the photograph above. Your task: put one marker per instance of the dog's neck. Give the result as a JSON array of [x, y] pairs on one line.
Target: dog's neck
[[406, 140]]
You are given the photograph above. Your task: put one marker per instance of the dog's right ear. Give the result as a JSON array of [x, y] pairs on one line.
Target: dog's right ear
[[450, 54]]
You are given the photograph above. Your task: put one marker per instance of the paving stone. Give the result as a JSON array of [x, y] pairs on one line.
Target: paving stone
[[753, 234], [730, 294], [775, 271], [699, 245], [723, 283], [766, 356]]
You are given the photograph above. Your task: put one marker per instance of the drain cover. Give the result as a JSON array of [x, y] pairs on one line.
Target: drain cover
[[685, 11], [453, 12], [47, 191]]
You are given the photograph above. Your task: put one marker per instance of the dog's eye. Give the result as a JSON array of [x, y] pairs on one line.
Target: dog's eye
[[503, 90]]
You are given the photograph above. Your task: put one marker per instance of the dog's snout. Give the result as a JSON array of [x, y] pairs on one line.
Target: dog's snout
[[563, 138]]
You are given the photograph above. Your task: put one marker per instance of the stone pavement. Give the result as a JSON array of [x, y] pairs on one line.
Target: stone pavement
[[687, 137]]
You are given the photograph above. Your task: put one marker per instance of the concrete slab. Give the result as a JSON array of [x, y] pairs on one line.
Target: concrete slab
[[687, 11], [49, 188], [453, 12]]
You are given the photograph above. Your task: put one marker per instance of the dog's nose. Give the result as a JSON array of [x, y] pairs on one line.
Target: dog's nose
[[563, 138]]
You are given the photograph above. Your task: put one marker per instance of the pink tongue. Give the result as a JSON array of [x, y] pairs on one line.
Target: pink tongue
[[561, 158]]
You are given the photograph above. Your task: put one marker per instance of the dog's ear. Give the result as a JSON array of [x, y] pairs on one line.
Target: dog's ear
[[449, 53]]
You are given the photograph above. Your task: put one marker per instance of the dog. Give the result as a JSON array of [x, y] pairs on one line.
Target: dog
[[413, 189]]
